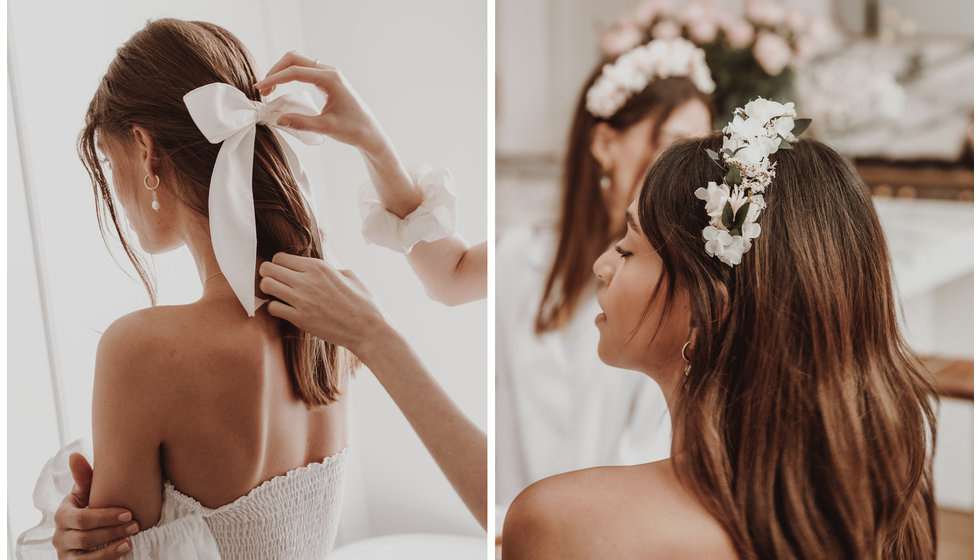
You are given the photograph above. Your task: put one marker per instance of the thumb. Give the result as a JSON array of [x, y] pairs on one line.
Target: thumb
[[303, 122], [81, 471]]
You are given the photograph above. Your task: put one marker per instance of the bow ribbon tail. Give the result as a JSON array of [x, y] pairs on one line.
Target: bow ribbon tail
[[232, 215]]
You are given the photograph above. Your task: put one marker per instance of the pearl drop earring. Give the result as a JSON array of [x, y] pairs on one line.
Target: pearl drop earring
[[156, 203], [605, 180]]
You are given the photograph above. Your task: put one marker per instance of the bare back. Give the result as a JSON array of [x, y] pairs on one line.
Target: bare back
[[209, 407], [236, 420]]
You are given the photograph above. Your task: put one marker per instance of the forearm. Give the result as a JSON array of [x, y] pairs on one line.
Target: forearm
[[451, 271], [458, 446], [397, 192]]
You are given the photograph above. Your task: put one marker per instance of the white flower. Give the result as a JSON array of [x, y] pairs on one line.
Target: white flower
[[632, 71], [727, 247], [715, 197], [765, 110]]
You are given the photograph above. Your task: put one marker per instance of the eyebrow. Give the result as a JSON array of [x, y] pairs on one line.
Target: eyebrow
[[631, 221]]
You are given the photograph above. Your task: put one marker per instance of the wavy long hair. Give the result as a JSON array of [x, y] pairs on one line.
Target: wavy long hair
[[805, 423], [584, 226], [144, 86]]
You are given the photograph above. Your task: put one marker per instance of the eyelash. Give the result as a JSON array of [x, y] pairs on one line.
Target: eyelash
[[623, 253]]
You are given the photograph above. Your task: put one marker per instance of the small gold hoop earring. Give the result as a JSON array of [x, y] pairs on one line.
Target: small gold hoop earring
[[684, 352], [156, 203]]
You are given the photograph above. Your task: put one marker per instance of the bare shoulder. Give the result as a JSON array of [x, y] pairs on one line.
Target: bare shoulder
[[612, 512]]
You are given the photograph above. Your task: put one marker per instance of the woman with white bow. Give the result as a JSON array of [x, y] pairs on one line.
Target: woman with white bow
[[220, 429], [410, 212]]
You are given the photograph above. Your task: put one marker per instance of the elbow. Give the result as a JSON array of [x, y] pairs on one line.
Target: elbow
[[446, 296]]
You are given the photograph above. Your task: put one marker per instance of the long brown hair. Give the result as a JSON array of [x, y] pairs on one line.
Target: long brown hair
[[584, 222], [144, 86], [804, 423]]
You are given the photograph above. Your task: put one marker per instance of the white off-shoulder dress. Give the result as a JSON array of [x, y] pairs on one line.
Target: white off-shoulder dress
[[294, 515]]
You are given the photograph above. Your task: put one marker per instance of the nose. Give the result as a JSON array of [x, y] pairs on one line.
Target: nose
[[604, 267]]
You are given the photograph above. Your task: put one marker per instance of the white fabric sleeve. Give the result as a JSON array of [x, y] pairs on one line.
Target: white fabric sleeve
[[434, 219], [53, 484], [187, 538]]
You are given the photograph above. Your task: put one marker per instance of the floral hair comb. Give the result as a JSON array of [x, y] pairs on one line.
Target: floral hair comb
[[758, 130]]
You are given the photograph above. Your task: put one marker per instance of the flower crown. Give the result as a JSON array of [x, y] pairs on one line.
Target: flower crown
[[757, 131], [632, 71]]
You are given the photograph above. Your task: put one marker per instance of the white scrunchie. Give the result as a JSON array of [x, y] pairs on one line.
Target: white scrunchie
[[434, 219]]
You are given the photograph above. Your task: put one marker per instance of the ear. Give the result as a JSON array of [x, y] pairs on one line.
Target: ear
[[603, 143], [145, 150]]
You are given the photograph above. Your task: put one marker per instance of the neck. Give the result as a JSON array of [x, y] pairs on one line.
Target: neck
[[197, 237]]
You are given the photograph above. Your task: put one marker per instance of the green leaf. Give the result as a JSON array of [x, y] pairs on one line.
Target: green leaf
[[726, 215], [784, 145], [739, 149], [712, 154], [733, 177], [735, 231], [741, 214], [800, 126]]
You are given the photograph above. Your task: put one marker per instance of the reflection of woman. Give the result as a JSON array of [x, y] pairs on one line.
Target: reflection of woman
[[558, 407], [801, 423], [221, 428]]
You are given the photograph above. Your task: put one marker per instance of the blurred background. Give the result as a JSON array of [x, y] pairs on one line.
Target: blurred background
[[888, 83], [65, 288]]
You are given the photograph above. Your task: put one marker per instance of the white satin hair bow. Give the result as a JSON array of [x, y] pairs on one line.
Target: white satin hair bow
[[224, 114]]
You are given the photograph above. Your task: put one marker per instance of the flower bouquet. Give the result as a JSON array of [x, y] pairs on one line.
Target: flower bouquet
[[749, 55]]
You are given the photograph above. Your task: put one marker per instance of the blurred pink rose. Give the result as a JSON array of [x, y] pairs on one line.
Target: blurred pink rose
[[666, 30], [692, 11], [739, 33], [620, 38], [772, 53], [645, 12], [703, 30], [765, 12], [796, 21]]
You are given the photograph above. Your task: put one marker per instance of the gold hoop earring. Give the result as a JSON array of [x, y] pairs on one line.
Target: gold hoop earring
[[156, 203], [684, 352]]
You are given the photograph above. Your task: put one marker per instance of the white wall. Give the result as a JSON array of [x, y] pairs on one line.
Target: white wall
[[424, 75]]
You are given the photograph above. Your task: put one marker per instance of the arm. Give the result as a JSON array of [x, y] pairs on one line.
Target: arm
[[451, 271], [456, 444], [80, 529], [334, 306], [126, 421]]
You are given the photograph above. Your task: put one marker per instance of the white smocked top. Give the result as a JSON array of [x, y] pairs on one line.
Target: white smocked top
[[294, 515]]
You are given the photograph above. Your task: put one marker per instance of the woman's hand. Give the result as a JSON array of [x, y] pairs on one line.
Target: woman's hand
[[345, 117], [329, 303], [80, 529]]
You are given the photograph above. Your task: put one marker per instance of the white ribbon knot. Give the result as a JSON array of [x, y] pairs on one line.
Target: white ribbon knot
[[224, 114]]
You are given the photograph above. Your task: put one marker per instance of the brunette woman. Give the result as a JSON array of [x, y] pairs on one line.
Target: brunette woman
[[802, 424], [220, 427]]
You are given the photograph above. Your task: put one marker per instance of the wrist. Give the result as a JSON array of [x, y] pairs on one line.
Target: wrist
[[376, 146], [381, 343]]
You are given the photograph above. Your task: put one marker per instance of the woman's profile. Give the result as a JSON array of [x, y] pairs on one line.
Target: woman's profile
[[802, 424], [221, 428]]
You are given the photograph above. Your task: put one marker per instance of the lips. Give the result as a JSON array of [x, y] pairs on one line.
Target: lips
[[600, 318]]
